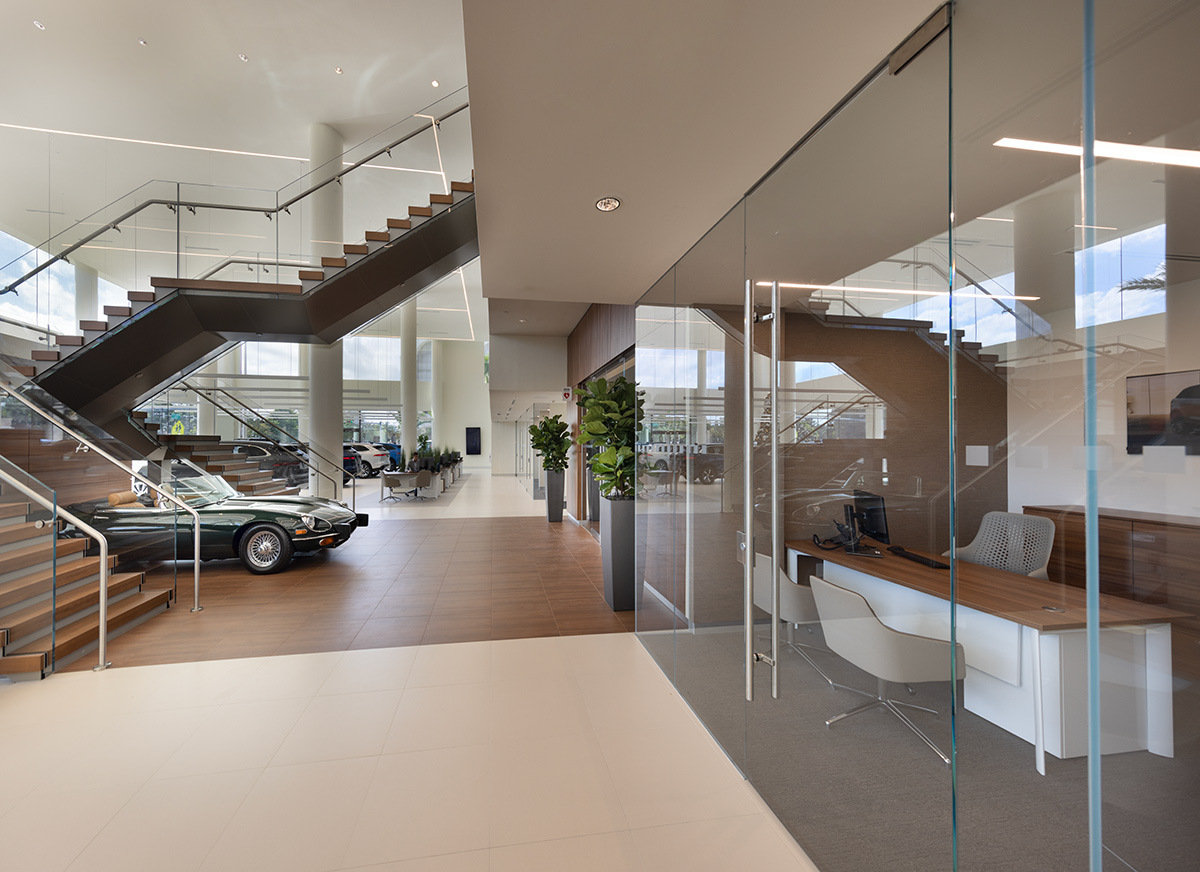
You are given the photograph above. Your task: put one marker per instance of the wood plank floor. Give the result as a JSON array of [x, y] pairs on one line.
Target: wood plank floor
[[395, 583]]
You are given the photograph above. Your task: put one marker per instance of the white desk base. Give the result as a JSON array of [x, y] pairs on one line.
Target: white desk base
[[1007, 661]]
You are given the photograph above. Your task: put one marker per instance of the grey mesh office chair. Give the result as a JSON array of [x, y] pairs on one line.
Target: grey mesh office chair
[[853, 631], [1016, 542]]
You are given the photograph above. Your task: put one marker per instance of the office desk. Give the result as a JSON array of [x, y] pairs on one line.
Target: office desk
[[395, 481], [1025, 645]]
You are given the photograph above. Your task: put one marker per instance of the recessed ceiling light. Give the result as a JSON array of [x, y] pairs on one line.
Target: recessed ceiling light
[[435, 83], [337, 70], [38, 25], [522, 320], [608, 204], [242, 57], [142, 42]]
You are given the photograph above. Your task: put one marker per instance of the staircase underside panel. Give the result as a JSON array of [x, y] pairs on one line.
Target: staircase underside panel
[[184, 331]]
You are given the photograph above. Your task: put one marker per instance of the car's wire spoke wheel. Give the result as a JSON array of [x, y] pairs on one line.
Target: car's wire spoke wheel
[[265, 548]]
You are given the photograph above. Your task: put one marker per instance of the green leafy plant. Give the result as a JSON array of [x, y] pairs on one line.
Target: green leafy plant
[[612, 414], [551, 439]]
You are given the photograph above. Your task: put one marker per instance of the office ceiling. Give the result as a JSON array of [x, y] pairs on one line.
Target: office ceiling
[[676, 108]]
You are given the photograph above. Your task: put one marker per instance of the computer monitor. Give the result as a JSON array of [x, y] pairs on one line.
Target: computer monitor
[[871, 517]]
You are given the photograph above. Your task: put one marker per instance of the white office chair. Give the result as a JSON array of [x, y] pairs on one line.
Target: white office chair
[[853, 631], [390, 481], [796, 606], [1017, 542]]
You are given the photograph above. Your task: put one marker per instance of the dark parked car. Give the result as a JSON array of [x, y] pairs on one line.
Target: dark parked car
[[708, 464], [263, 532], [351, 465], [1185, 411], [283, 462]]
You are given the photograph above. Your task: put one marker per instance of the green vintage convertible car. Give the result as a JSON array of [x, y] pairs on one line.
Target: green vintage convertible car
[[263, 532]]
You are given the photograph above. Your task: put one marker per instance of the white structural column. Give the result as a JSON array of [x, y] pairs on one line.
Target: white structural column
[[437, 404], [1183, 267], [1043, 239], [325, 361], [408, 377], [87, 294]]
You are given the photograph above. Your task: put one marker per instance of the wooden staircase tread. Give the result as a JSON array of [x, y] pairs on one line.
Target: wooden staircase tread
[[211, 285], [40, 354], [31, 555], [333, 261], [354, 248], [68, 340], [377, 236], [141, 296], [463, 187], [311, 275], [16, 590], [19, 532], [13, 510], [442, 199], [23, 664], [178, 439], [28, 620], [79, 633], [423, 211], [852, 320], [399, 224], [125, 311], [27, 371], [93, 325], [235, 478]]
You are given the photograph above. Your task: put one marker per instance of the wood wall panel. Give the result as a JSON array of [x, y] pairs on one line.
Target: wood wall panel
[[604, 332], [1144, 556]]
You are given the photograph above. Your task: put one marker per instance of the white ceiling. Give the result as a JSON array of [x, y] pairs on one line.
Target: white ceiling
[[676, 107]]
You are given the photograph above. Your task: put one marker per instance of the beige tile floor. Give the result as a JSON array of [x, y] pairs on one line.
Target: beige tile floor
[[528, 754], [477, 494]]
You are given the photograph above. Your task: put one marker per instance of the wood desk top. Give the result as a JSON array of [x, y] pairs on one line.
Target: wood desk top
[[1017, 598]]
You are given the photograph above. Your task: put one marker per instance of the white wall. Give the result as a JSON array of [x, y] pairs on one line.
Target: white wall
[[465, 401], [528, 363], [1046, 466], [504, 446]]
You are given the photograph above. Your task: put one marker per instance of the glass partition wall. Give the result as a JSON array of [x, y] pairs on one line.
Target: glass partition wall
[[971, 299]]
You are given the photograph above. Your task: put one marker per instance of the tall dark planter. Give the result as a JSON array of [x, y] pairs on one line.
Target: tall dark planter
[[554, 495], [617, 551]]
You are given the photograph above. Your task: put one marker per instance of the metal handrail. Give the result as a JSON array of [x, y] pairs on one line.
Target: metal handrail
[[188, 204], [255, 261], [200, 391], [101, 540], [169, 497]]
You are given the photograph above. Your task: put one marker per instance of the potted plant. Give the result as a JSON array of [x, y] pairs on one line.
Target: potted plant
[[612, 414], [552, 440]]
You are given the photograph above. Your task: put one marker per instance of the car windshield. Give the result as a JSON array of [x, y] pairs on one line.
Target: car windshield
[[202, 490]]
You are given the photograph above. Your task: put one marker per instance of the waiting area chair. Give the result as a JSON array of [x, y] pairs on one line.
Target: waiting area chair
[[1008, 540], [853, 631], [424, 480], [391, 482]]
